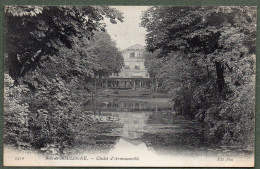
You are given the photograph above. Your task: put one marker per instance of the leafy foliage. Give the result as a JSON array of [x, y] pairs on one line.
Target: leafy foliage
[[32, 32], [153, 66], [108, 58], [208, 58], [16, 113], [53, 55]]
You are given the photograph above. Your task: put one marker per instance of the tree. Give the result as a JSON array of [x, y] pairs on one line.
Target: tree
[[153, 65], [108, 58], [104, 55], [32, 32], [200, 32], [49, 57], [209, 55]]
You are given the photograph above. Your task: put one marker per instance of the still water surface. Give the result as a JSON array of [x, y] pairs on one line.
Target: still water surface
[[141, 125], [138, 132]]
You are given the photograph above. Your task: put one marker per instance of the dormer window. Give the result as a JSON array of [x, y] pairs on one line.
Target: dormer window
[[132, 55]]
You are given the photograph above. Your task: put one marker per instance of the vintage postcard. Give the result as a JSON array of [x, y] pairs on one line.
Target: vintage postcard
[[129, 86]]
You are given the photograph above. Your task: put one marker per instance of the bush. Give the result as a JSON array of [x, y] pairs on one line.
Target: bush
[[16, 114]]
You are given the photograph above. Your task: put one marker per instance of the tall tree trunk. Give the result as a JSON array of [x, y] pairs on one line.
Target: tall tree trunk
[[220, 76]]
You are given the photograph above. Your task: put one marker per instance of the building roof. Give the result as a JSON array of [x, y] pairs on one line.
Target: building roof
[[135, 47]]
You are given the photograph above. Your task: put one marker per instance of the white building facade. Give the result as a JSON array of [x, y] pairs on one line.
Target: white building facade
[[134, 63], [133, 74]]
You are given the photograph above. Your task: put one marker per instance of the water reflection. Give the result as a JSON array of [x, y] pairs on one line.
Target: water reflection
[[140, 127], [146, 124], [144, 129], [128, 104], [133, 124]]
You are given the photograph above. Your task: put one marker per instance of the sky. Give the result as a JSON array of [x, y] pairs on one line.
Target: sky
[[128, 32]]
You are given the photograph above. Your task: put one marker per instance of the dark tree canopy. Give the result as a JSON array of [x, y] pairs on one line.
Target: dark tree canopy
[[214, 35], [206, 58], [108, 58], [196, 29], [52, 56], [33, 31]]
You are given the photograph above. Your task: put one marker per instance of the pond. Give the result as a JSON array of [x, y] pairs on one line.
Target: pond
[[137, 132], [143, 128]]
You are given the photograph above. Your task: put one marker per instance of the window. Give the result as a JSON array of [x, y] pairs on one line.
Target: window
[[132, 55], [116, 74], [127, 65], [137, 67], [136, 122]]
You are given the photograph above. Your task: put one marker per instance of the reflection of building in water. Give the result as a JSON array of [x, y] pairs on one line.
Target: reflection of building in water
[[127, 105], [133, 122]]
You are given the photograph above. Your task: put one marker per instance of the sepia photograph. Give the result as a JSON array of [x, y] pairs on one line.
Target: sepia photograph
[[129, 86]]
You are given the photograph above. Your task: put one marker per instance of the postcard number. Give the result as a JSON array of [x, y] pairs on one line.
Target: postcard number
[[19, 158]]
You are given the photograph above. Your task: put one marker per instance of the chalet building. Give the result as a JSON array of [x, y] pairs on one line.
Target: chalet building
[[133, 74]]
